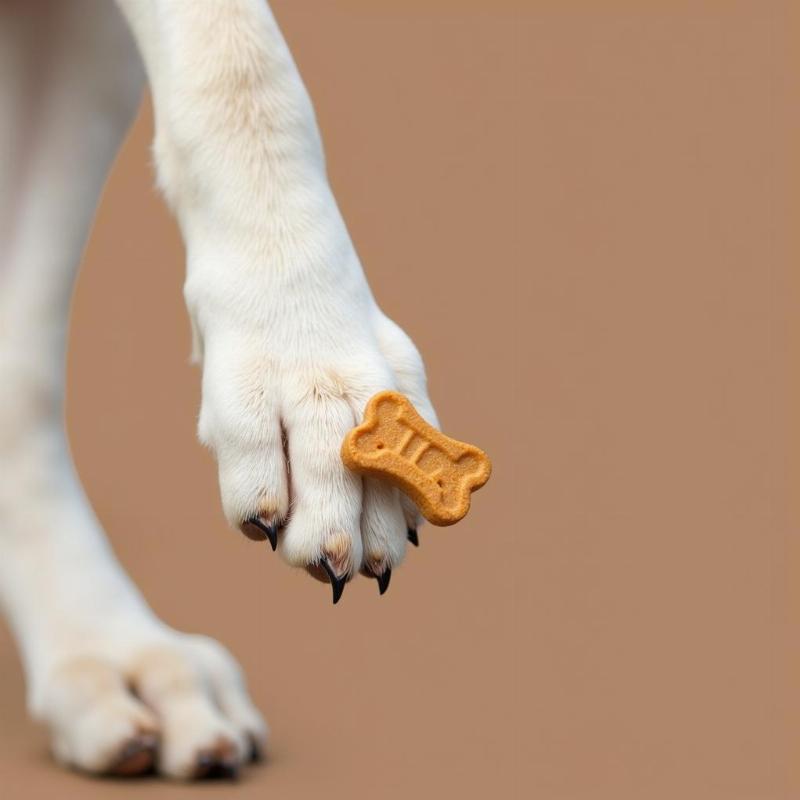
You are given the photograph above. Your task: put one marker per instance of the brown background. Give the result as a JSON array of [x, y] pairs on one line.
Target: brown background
[[585, 216]]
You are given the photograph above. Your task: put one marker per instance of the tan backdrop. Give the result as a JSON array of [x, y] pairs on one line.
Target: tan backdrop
[[585, 215]]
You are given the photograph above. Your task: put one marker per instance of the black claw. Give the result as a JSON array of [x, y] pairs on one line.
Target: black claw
[[228, 770], [270, 531], [412, 537], [203, 765], [210, 767], [383, 580], [337, 582], [256, 751]]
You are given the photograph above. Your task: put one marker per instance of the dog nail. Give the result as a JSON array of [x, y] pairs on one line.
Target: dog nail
[[412, 537], [269, 532], [227, 769], [337, 582], [383, 580], [256, 751]]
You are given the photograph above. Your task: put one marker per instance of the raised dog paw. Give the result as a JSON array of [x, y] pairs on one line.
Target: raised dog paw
[[281, 389]]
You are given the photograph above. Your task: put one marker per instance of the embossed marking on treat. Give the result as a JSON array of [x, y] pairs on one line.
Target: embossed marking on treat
[[394, 443]]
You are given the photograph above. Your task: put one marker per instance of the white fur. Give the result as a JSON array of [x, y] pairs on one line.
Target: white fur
[[290, 339]]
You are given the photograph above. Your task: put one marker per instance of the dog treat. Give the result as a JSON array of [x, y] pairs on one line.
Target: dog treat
[[395, 444]]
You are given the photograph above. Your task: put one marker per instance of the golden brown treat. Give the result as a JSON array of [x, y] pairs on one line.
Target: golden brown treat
[[395, 444]]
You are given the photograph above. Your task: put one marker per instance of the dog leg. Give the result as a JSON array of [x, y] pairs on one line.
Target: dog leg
[[117, 688], [291, 340]]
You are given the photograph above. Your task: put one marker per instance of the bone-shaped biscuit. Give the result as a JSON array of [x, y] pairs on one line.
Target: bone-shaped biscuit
[[395, 444]]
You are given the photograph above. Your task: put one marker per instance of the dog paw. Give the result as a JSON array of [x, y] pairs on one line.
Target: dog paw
[[281, 389], [176, 706]]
